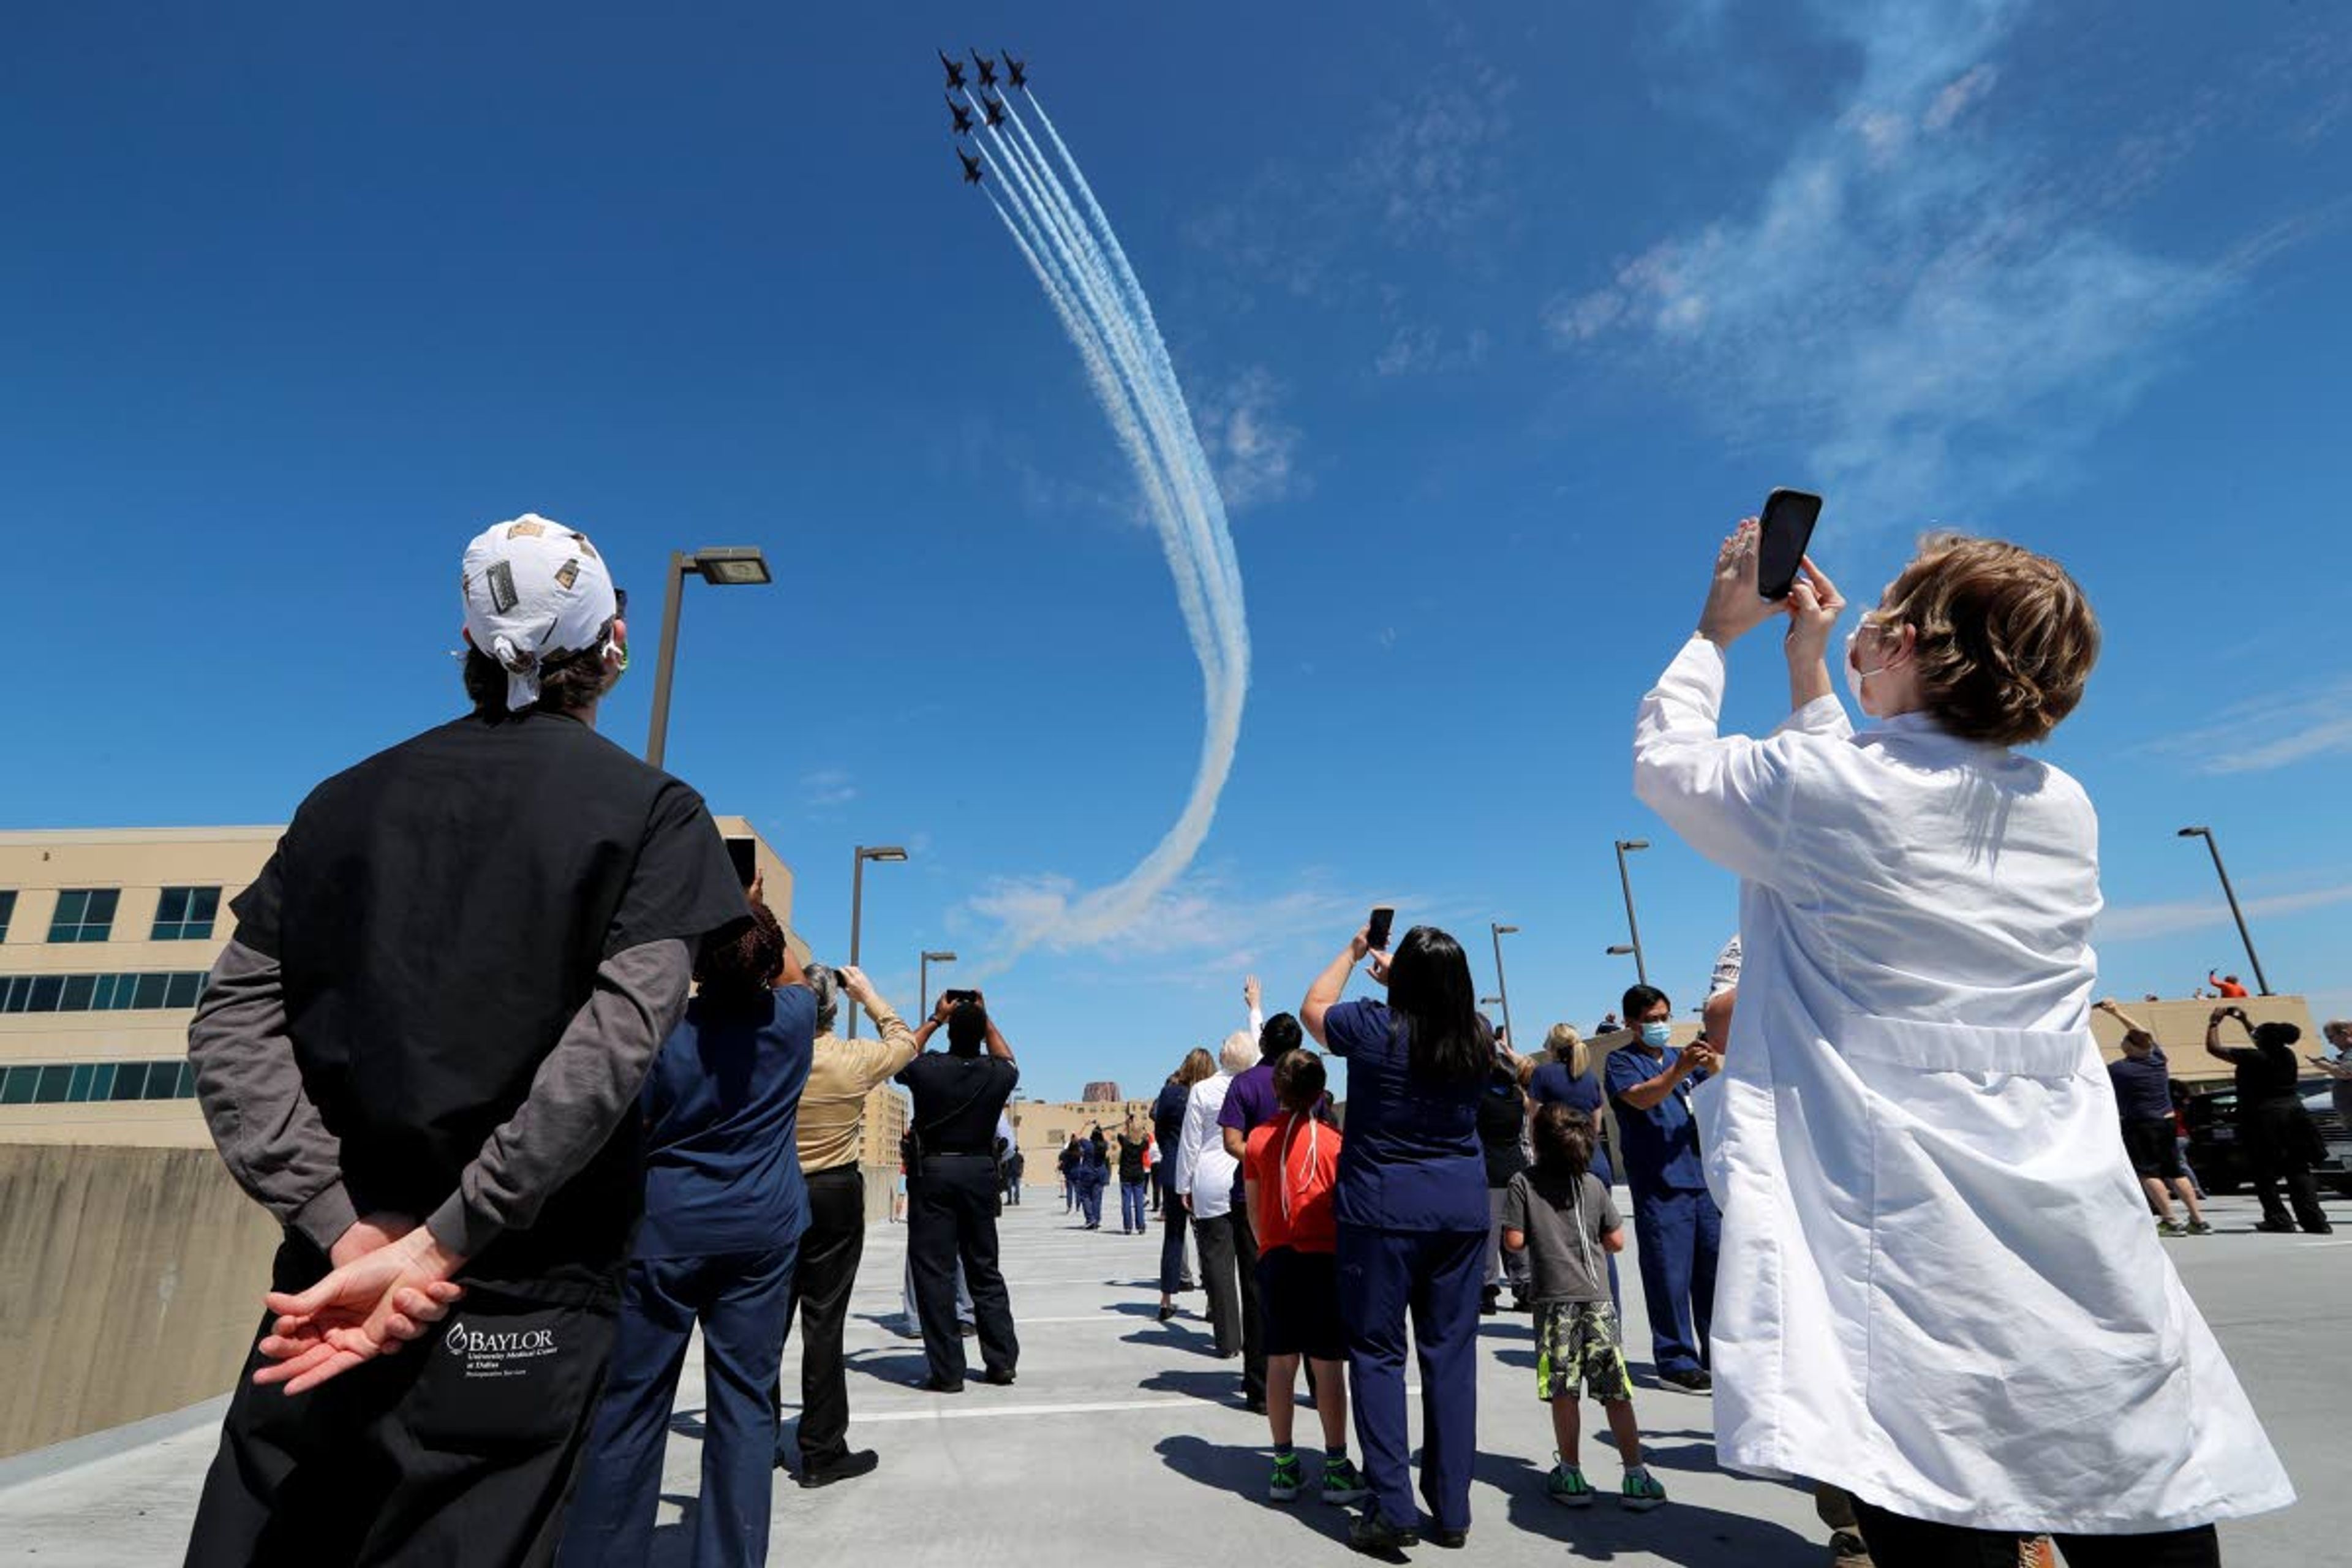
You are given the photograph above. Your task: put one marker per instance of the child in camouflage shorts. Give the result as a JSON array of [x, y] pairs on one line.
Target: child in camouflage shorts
[[1563, 1217]]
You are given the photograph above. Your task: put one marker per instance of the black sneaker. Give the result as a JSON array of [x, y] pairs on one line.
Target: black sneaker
[[1166, 1313], [848, 1467], [1452, 1540], [1692, 1381], [2276, 1226], [2322, 1228], [1000, 1376], [941, 1385], [1489, 1301], [1376, 1537]]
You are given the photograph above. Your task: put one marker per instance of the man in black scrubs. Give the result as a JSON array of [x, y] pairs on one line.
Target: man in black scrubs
[[953, 1189], [422, 1052]]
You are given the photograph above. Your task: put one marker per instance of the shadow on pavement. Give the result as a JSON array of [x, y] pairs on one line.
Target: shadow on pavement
[[906, 1368], [1680, 1532], [1242, 1472], [1216, 1388], [673, 1544]]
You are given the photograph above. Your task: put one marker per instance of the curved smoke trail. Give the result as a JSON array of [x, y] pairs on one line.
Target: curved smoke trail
[[1069, 245]]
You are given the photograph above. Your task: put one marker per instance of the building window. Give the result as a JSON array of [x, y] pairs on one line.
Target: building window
[[84, 914], [185, 914], [8, 911], [60, 1083], [100, 992]]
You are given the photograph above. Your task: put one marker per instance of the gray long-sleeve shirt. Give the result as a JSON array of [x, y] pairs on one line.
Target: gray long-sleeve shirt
[[280, 1151]]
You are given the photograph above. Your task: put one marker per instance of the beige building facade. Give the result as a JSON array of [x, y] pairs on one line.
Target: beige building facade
[[106, 936]]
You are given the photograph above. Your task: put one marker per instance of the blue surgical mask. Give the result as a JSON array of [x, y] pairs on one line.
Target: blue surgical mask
[[1656, 1035]]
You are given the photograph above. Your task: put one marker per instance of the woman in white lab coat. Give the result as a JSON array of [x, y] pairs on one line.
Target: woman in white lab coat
[[1939, 1287]]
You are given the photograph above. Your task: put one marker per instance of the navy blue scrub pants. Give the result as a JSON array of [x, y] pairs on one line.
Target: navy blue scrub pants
[[1091, 1192], [1173, 1218], [1678, 1234], [743, 1301], [1436, 1275]]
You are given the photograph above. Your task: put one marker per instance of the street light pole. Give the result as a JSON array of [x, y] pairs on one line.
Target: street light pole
[[1633, 926], [2230, 893], [857, 905], [928, 959], [724, 566], [1502, 984]]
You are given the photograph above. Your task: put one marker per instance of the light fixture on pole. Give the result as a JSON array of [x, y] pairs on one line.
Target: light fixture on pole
[[858, 904], [1633, 926], [2261, 984], [722, 566], [928, 959], [1501, 984]]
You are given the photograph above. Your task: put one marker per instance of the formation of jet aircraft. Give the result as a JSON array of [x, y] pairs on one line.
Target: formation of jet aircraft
[[991, 107]]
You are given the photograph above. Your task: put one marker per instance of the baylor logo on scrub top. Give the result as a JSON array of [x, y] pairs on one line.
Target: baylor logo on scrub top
[[503, 1354]]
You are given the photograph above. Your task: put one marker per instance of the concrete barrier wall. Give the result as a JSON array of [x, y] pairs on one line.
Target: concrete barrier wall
[[131, 1284]]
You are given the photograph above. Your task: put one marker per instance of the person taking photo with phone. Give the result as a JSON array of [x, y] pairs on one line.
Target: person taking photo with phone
[[951, 1194], [2143, 1084], [1938, 1288], [2277, 1134]]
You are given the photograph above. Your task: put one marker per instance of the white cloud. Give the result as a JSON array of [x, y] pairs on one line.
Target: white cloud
[[1203, 913], [2271, 732], [828, 788], [1924, 308], [2140, 922], [1254, 449]]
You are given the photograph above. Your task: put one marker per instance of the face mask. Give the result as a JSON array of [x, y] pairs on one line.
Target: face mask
[[1855, 675], [1655, 1036]]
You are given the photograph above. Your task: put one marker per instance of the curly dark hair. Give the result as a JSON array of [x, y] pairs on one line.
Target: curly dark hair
[[740, 962]]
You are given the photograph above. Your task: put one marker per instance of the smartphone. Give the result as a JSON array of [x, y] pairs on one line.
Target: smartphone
[[961, 998], [1787, 530], [1378, 926], [746, 856]]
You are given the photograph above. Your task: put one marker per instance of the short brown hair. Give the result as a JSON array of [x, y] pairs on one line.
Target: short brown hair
[[1564, 1137], [566, 684], [2004, 638], [1298, 1080]]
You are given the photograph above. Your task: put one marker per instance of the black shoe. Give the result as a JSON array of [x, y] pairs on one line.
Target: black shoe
[[1692, 1381], [2276, 1226], [1000, 1377], [1452, 1540], [967, 1331], [1488, 1300], [1519, 1303], [936, 1385], [846, 1467], [2322, 1228], [1166, 1313], [1376, 1537], [1184, 1285]]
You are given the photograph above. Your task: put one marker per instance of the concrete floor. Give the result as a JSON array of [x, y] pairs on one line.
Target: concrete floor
[[1123, 1439]]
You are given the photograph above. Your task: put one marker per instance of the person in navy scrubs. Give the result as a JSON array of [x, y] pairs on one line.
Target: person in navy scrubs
[[1411, 1203], [724, 1210], [1677, 1226]]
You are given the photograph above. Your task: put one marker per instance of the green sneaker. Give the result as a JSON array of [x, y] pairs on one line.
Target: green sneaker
[[1567, 1485], [2199, 1227], [1289, 1478], [1342, 1484], [2170, 1227], [1641, 1492]]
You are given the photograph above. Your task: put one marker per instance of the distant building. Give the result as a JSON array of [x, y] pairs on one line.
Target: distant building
[[1101, 1093], [106, 937]]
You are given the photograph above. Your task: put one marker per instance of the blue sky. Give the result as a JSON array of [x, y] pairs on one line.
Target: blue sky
[[1491, 321]]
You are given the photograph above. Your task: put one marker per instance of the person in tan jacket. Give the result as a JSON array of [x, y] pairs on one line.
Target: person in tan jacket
[[831, 1124]]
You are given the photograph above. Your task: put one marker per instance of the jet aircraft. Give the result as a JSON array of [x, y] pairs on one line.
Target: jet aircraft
[[987, 68], [955, 69], [993, 108], [973, 172], [1017, 71], [963, 117]]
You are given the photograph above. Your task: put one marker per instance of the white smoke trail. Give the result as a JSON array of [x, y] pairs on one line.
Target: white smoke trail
[[1087, 278]]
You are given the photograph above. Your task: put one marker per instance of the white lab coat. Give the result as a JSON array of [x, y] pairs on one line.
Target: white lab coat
[[1940, 1284], [1204, 1171]]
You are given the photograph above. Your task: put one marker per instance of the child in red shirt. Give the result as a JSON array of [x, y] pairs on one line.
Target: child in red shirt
[[1287, 1169]]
